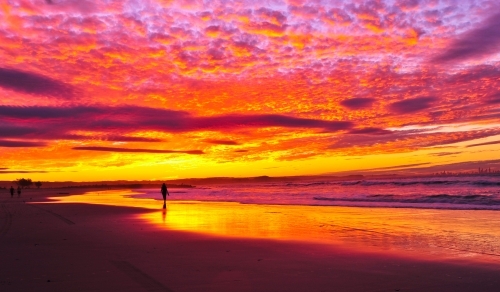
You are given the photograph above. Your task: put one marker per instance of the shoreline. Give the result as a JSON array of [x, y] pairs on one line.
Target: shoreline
[[368, 228], [108, 248]]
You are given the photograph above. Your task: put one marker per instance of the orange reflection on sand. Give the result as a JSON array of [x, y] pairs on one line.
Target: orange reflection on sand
[[122, 198], [428, 233]]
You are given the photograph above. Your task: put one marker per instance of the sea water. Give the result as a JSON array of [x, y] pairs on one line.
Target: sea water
[[463, 193]]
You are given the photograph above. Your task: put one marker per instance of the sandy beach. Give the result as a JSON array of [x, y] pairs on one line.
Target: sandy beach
[[85, 247]]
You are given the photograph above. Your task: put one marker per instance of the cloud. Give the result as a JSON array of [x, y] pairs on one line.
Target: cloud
[[439, 154], [22, 171], [17, 144], [221, 142], [378, 170], [33, 83], [116, 121], [479, 42], [263, 121], [483, 144], [358, 103], [12, 131], [370, 131], [420, 168], [412, 105], [407, 140], [134, 150], [399, 166], [493, 99]]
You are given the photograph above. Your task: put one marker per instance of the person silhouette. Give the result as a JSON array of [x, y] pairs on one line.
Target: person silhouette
[[18, 191], [164, 193], [11, 191]]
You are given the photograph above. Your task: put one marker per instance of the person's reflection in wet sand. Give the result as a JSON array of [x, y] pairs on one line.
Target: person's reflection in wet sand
[[164, 215]]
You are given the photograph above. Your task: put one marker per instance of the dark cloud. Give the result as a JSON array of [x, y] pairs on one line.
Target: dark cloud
[[222, 142], [476, 43], [22, 171], [357, 103], [399, 166], [12, 131], [16, 144], [262, 121], [409, 139], [382, 169], [33, 83], [133, 150], [117, 121], [439, 154], [370, 131], [411, 105], [493, 99], [117, 138], [421, 168], [483, 144]]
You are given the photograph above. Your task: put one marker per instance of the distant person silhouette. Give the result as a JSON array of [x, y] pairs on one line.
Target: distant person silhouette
[[18, 191], [164, 193], [11, 191]]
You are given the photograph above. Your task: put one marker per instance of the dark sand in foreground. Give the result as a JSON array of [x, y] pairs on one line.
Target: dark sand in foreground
[[79, 247]]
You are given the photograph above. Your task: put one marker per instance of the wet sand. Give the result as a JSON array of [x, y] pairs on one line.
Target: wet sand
[[83, 247]]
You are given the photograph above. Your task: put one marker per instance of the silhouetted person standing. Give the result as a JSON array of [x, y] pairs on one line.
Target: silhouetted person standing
[[19, 191], [11, 191], [164, 193]]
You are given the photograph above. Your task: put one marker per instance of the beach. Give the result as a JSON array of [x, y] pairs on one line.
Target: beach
[[95, 247]]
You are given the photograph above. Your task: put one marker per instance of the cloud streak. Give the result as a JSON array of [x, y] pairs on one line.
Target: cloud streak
[[483, 144], [135, 150], [122, 119], [412, 105], [33, 83], [20, 144], [479, 42]]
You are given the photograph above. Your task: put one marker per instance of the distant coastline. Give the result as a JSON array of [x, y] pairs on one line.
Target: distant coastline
[[193, 182]]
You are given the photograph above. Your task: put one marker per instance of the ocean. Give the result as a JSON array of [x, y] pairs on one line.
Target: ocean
[[459, 193]]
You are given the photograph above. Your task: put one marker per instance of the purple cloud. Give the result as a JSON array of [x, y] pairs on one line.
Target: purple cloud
[[493, 99], [222, 142], [16, 144], [412, 105], [439, 154], [357, 103], [116, 121], [370, 131], [476, 43], [33, 83], [22, 171], [134, 150], [483, 144]]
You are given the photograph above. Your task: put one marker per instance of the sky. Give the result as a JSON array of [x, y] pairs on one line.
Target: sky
[[165, 89]]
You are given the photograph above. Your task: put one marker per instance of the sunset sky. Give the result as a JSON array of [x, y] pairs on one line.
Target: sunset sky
[[159, 89]]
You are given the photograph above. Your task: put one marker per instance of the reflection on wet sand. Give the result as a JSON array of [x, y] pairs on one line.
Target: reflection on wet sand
[[464, 234]]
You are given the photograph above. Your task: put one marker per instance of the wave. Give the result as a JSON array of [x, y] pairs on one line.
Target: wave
[[475, 200], [402, 183]]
